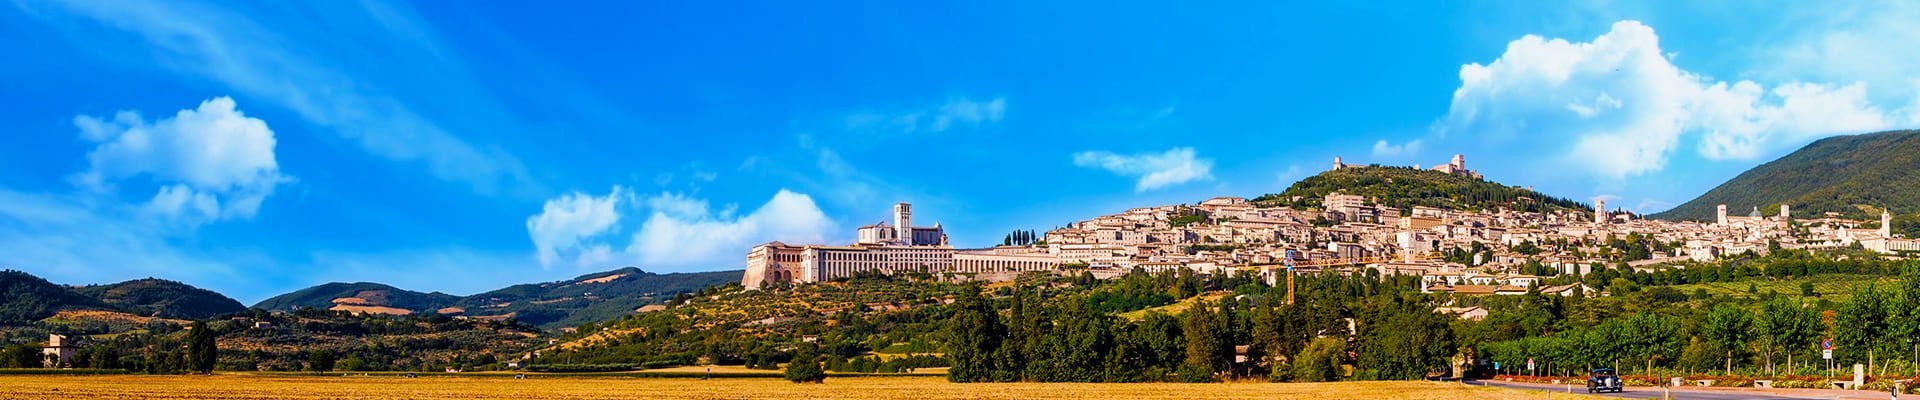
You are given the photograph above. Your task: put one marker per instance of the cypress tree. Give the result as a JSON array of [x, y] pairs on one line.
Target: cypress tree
[[201, 350], [972, 335]]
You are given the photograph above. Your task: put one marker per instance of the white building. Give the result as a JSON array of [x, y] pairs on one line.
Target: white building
[[888, 249], [58, 353]]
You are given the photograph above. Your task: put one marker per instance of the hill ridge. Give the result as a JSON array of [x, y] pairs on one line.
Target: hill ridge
[[1847, 174]]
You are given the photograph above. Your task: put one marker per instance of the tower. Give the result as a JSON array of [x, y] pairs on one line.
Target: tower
[[1786, 213], [1459, 162], [1886, 224], [1721, 218], [903, 223], [1337, 165], [1599, 211]]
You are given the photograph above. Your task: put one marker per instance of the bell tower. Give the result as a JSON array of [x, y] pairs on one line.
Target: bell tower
[[903, 223]]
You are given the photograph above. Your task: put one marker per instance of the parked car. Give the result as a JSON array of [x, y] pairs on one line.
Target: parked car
[[1604, 380]]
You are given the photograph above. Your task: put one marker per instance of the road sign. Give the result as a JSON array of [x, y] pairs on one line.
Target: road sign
[[1529, 363], [1826, 344], [1826, 354]]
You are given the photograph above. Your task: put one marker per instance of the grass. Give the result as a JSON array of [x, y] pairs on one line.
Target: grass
[[241, 386], [1835, 287], [1173, 309]]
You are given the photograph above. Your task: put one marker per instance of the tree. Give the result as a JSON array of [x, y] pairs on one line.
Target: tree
[[1652, 338], [1729, 328], [1320, 361], [1204, 341], [21, 356], [1907, 323], [973, 335], [805, 367], [201, 350], [1861, 326], [1265, 338], [1399, 343], [1788, 326], [106, 357], [320, 361]]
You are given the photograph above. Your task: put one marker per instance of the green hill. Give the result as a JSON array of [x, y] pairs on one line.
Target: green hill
[[163, 298], [1849, 175], [1404, 188], [25, 298], [590, 298], [327, 296], [587, 298]]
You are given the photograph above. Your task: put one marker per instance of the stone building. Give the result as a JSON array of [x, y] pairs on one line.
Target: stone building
[[58, 353]]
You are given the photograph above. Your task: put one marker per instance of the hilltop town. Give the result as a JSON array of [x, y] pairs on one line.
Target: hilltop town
[[1492, 248]]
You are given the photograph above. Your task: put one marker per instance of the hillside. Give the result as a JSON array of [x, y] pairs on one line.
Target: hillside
[[25, 298], [359, 297], [589, 298], [1842, 174], [163, 299], [1404, 188]]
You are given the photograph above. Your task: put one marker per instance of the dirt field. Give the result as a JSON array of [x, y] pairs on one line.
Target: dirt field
[[915, 388]]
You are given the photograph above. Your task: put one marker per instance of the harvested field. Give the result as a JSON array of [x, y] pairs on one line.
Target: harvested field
[[240, 386]]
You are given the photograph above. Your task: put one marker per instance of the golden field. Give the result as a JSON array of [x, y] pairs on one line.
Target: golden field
[[240, 386]]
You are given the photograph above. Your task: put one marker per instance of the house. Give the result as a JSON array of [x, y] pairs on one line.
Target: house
[[1571, 289], [58, 353], [1474, 313]]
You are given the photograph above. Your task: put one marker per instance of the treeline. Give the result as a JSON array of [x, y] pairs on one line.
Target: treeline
[[1404, 188], [842, 339], [1778, 264], [1649, 332], [1020, 238], [1248, 332]]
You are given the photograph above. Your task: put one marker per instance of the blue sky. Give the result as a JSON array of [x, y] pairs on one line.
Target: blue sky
[[257, 148]]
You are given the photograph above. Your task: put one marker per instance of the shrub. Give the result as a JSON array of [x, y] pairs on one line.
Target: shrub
[[805, 367]]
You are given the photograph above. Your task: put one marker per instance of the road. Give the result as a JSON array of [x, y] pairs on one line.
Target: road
[[1655, 393]]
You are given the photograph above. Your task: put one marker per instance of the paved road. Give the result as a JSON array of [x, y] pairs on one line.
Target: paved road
[[1653, 392]]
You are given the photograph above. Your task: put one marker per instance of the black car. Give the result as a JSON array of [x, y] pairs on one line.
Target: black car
[[1604, 380]]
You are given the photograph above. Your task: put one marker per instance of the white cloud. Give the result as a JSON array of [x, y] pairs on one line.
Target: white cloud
[[1175, 166], [1652, 206], [565, 224], [74, 238], [230, 48], [206, 164], [679, 230], [956, 112], [1292, 175], [213, 162], [1871, 41], [1383, 149], [968, 111], [685, 232], [1626, 107]]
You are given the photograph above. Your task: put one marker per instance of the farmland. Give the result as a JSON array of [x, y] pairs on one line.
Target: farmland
[[1836, 287], [247, 386]]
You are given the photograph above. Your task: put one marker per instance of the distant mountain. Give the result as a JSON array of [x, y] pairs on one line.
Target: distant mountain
[[359, 297], [25, 298], [1404, 188], [587, 298], [162, 298], [1850, 175]]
